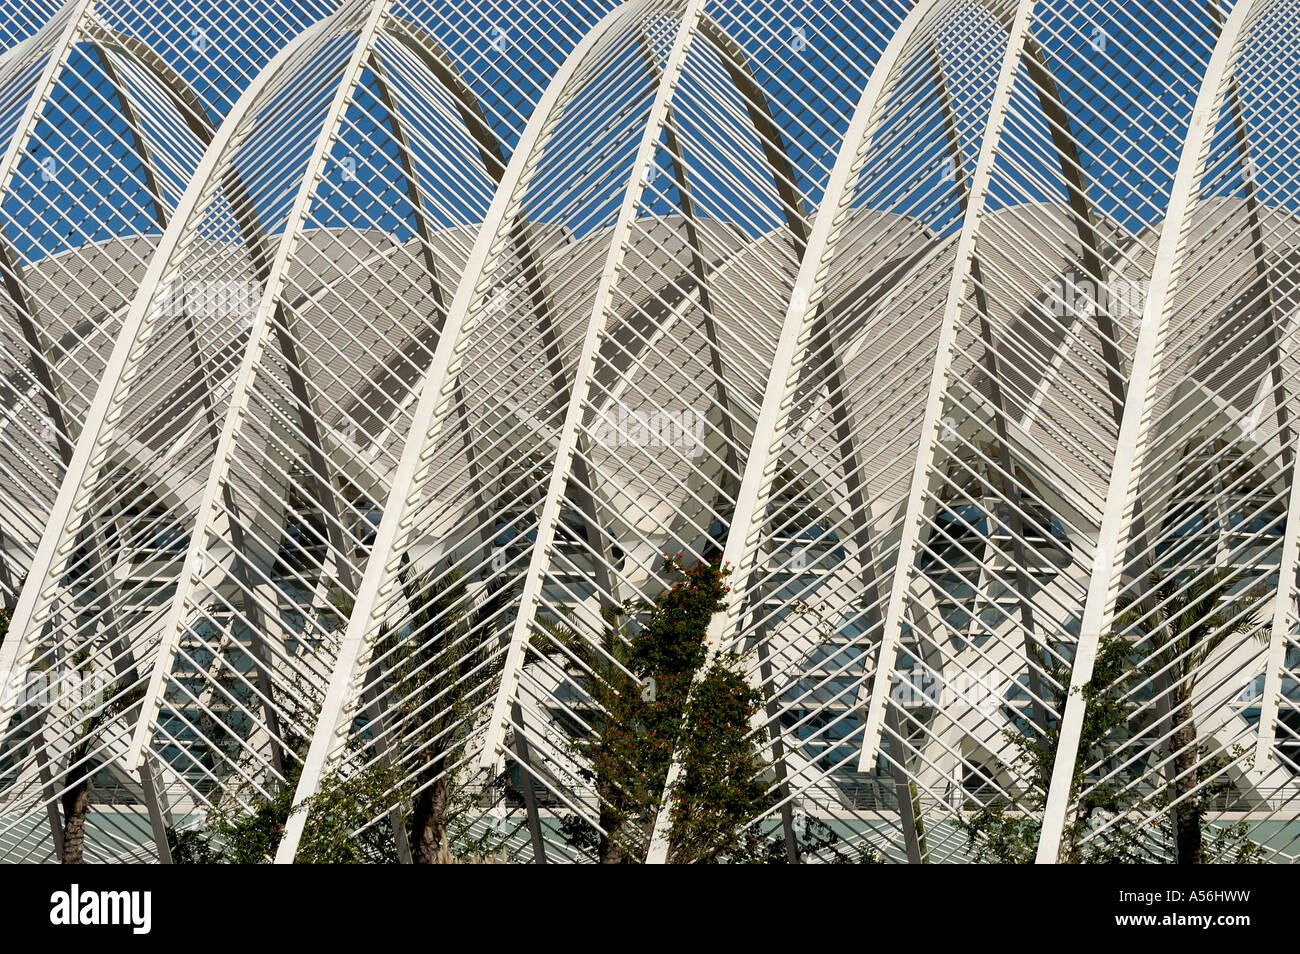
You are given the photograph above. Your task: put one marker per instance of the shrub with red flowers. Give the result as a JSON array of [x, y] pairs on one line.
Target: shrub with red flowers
[[719, 788]]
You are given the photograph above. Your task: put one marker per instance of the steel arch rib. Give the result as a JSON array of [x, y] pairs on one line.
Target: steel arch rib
[[1094, 263], [331, 724], [1128, 457], [115, 374], [793, 208], [875, 704], [1288, 571], [255, 236], [565, 451], [97, 426], [16, 285], [187, 104], [802, 307], [269, 306], [991, 363], [793, 211], [1289, 565], [44, 86], [11, 271]]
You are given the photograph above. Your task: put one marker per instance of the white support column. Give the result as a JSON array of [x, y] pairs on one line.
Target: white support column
[[773, 418], [113, 388], [930, 426], [586, 368], [209, 504], [1288, 567], [1097, 611], [26, 127], [13, 156], [431, 409]]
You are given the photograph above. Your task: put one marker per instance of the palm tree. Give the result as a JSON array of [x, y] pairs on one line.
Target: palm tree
[[1185, 618]]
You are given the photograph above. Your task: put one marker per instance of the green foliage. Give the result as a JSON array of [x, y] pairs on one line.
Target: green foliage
[[820, 841], [1191, 617], [191, 847], [237, 837], [719, 787], [1232, 844], [651, 706], [341, 806], [1226, 844], [997, 832], [642, 697], [349, 819], [251, 839], [449, 646], [1189, 621]]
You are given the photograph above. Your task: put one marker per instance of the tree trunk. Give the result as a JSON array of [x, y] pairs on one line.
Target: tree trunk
[[76, 805], [1187, 811], [611, 820], [429, 822]]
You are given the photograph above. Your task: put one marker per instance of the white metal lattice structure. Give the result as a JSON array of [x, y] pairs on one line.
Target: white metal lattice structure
[[362, 361]]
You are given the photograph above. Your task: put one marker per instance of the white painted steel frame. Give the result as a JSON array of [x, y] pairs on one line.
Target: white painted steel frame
[[1099, 608], [569, 468], [586, 367], [96, 430], [209, 503], [740, 549], [931, 426], [335, 718]]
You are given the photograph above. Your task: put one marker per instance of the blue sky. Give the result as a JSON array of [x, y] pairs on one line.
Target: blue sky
[[81, 157]]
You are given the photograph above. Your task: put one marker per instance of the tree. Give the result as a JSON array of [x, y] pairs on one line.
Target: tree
[[649, 705], [347, 818], [249, 838], [426, 665], [1009, 834], [330, 836], [1186, 626], [1193, 615], [426, 668], [720, 785], [78, 790], [447, 641], [818, 839]]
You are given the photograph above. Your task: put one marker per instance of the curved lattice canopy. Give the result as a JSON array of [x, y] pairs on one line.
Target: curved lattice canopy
[[362, 361]]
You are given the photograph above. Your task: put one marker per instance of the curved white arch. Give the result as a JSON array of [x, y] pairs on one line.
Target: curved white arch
[[805, 302], [930, 428], [429, 413], [114, 388], [274, 283], [585, 369], [1165, 272]]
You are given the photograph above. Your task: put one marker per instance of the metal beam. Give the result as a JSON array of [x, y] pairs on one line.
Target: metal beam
[[103, 411], [1098, 608], [1017, 31], [802, 309], [430, 412], [585, 369]]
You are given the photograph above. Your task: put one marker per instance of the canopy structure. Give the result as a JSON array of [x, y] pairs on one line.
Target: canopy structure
[[362, 359]]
